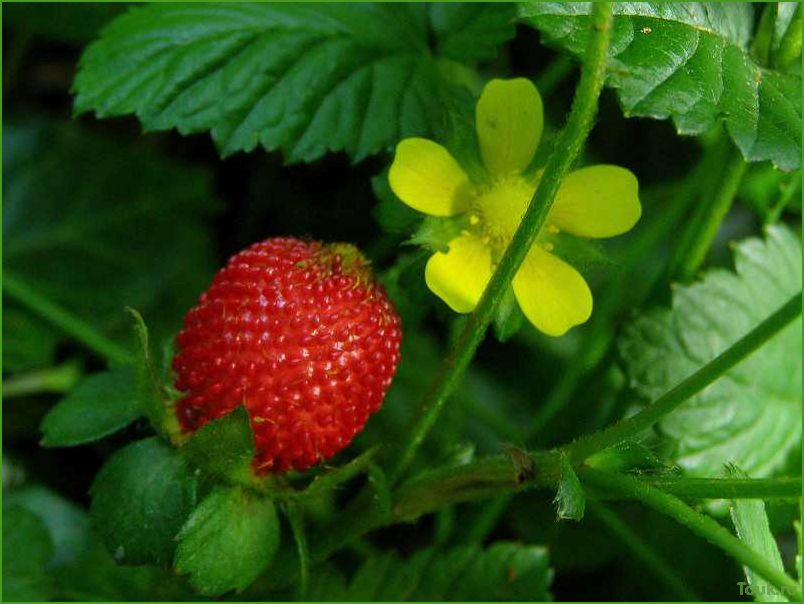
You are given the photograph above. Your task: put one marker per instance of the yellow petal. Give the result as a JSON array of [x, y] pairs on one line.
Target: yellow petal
[[509, 122], [598, 201], [460, 276], [552, 294], [427, 178]]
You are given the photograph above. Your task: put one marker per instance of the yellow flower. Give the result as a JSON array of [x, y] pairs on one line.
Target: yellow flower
[[593, 202]]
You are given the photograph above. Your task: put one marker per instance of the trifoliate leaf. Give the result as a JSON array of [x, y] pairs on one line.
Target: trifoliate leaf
[[27, 547], [98, 406], [228, 541], [689, 61], [752, 415], [140, 499], [303, 78], [504, 571], [751, 523]]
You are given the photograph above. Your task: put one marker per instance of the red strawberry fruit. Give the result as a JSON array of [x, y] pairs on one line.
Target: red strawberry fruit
[[301, 335]]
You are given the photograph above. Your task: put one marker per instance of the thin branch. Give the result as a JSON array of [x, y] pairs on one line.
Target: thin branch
[[62, 318]]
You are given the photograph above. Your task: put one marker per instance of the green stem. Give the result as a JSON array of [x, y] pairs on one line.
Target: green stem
[[701, 187], [480, 526], [689, 487], [630, 427], [26, 295], [698, 523], [482, 479], [54, 380], [790, 190], [571, 140], [713, 217], [495, 476], [789, 51], [652, 559]]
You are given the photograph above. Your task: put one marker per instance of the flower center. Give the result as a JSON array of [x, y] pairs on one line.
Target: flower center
[[500, 207]]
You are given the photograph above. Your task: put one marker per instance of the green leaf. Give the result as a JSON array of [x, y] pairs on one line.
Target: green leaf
[[689, 61], [435, 233], [140, 500], [80, 567], [96, 577], [786, 42], [751, 524], [223, 448], [153, 399], [98, 406], [472, 31], [630, 456], [228, 541], [67, 523], [303, 78], [381, 490], [751, 416], [336, 477], [27, 548], [504, 571], [95, 225], [570, 500]]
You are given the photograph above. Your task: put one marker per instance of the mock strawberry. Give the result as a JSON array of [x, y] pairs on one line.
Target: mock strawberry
[[301, 335]]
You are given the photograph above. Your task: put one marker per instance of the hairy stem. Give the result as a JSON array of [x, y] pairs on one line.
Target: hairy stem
[[630, 427], [26, 295], [571, 140], [652, 560], [702, 525], [689, 487]]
